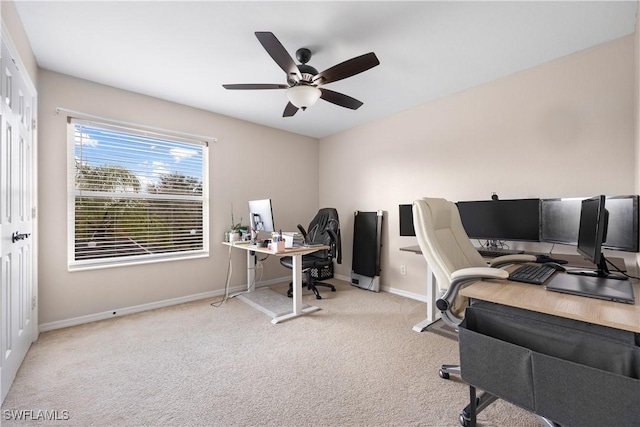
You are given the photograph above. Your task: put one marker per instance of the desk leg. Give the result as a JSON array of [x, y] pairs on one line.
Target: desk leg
[[297, 293], [297, 284], [432, 296], [472, 407], [251, 271]]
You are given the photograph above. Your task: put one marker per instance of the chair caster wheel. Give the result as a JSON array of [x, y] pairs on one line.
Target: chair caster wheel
[[290, 294], [333, 289], [318, 297], [444, 375], [464, 421]]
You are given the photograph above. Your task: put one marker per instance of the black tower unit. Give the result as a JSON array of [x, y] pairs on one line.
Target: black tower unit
[[367, 232]]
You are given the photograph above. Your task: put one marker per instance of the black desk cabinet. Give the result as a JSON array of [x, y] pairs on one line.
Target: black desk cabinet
[[571, 372]]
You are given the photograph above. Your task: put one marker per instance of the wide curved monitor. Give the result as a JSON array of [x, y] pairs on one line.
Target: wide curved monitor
[[515, 219]]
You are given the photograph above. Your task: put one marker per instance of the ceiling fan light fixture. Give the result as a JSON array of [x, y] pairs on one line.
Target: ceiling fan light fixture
[[303, 96]]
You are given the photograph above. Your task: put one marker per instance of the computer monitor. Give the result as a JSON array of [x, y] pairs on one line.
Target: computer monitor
[[592, 232], [406, 220], [560, 220], [515, 219], [260, 218]]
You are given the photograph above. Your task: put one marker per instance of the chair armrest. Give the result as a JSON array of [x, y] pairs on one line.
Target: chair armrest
[[458, 279], [512, 259], [335, 245], [303, 232], [477, 273]]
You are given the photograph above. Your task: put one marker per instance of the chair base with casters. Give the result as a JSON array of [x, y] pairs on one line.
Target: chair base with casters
[[307, 265], [445, 370]]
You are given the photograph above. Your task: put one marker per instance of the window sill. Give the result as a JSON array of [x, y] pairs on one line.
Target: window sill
[[126, 262]]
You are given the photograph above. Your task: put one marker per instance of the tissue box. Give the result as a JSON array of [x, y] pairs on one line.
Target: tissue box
[[288, 240]]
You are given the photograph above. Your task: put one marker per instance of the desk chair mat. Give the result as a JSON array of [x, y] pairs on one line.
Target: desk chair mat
[[269, 302], [440, 328]]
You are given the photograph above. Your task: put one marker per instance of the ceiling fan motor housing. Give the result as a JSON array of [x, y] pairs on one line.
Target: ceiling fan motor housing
[[308, 72]]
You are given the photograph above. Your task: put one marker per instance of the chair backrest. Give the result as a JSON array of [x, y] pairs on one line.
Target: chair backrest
[[442, 239], [324, 229]]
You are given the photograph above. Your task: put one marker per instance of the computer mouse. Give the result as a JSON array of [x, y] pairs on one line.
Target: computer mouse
[[555, 265], [546, 258]]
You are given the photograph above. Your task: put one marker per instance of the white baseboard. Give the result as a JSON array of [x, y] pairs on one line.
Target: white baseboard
[[391, 290], [190, 298], [149, 306], [400, 292], [126, 310]]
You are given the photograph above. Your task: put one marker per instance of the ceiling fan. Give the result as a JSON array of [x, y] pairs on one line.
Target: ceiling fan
[[303, 80]]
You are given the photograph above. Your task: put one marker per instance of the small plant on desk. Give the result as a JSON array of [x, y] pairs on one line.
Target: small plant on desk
[[237, 230]]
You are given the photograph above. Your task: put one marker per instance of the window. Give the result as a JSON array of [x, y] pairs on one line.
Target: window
[[134, 196]]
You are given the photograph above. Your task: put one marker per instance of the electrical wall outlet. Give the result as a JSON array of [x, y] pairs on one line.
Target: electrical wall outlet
[[403, 270]]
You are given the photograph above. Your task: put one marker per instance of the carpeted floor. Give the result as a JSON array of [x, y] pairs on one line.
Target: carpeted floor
[[442, 329], [356, 362]]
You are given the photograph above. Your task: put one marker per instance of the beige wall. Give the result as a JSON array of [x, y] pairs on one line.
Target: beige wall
[[562, 129], [235, 177], [19, 38]]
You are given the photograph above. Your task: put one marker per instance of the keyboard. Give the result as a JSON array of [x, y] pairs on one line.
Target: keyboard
[[493, 253], [532, 274]]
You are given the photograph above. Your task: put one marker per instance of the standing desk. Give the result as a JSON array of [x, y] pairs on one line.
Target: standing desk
[[296, 255], [606, 394], [432, 289]]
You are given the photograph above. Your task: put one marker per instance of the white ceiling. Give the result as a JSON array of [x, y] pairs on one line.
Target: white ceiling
[[183, 51]]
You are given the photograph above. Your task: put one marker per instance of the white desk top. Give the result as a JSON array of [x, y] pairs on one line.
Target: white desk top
[[303, 250]]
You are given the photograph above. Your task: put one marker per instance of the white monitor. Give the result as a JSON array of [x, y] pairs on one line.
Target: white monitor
[[261, 217]]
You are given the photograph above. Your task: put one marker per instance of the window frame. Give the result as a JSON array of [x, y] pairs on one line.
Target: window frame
[[72, 193]]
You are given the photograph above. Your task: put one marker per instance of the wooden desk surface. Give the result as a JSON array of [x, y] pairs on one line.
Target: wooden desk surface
[[574, 260], [536, 298]]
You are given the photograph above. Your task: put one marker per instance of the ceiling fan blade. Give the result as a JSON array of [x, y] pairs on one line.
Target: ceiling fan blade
[[340, 99], [290, 110], [348, 68], [279, 54], [246, 86]]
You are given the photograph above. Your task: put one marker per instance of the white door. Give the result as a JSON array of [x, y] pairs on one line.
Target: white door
[[17, 301]]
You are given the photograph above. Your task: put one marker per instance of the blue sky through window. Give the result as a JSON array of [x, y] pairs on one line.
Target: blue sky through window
[[145, 155]]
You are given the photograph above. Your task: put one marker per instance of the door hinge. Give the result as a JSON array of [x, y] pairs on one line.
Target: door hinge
[[33, 212], [33, 124], [34, 302]]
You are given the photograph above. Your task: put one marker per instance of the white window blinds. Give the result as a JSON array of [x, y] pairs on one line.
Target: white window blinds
[[134, 195]]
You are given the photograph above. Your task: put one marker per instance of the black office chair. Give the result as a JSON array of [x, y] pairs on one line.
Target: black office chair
[[324, 229]]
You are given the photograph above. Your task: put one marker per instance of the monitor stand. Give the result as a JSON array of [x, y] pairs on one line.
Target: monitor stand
[[601, 271]]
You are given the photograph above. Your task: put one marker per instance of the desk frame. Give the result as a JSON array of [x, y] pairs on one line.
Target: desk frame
[[296, 272], [432, 294]]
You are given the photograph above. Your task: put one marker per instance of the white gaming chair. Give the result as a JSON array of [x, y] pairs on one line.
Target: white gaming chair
[[455, 263], [451, 255]]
